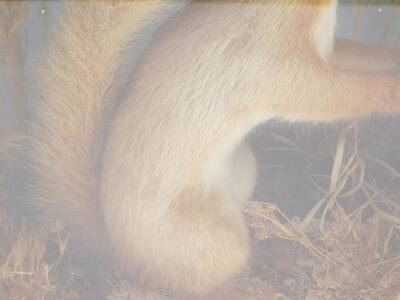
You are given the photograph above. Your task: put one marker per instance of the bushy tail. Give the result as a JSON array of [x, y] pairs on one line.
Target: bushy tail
[[77, 84]]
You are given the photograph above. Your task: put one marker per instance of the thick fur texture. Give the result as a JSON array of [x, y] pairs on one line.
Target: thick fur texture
[[176, 171], [78, 85]]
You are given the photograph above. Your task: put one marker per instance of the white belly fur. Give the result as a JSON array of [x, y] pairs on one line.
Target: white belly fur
[[324, 31]]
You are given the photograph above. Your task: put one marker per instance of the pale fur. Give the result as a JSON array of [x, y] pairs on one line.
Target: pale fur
[[176, 171], [77, 84], [324, 29]]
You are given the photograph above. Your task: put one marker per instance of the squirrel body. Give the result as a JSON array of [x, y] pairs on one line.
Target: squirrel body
[[175, 170]]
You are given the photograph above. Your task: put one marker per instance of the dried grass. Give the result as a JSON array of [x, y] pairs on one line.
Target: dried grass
[[353, 233], [25, 271]]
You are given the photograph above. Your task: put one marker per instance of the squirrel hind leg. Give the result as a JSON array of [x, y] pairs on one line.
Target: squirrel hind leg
[[201, 243]]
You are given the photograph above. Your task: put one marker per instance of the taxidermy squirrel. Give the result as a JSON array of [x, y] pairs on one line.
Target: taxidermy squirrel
[[161, 179]]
